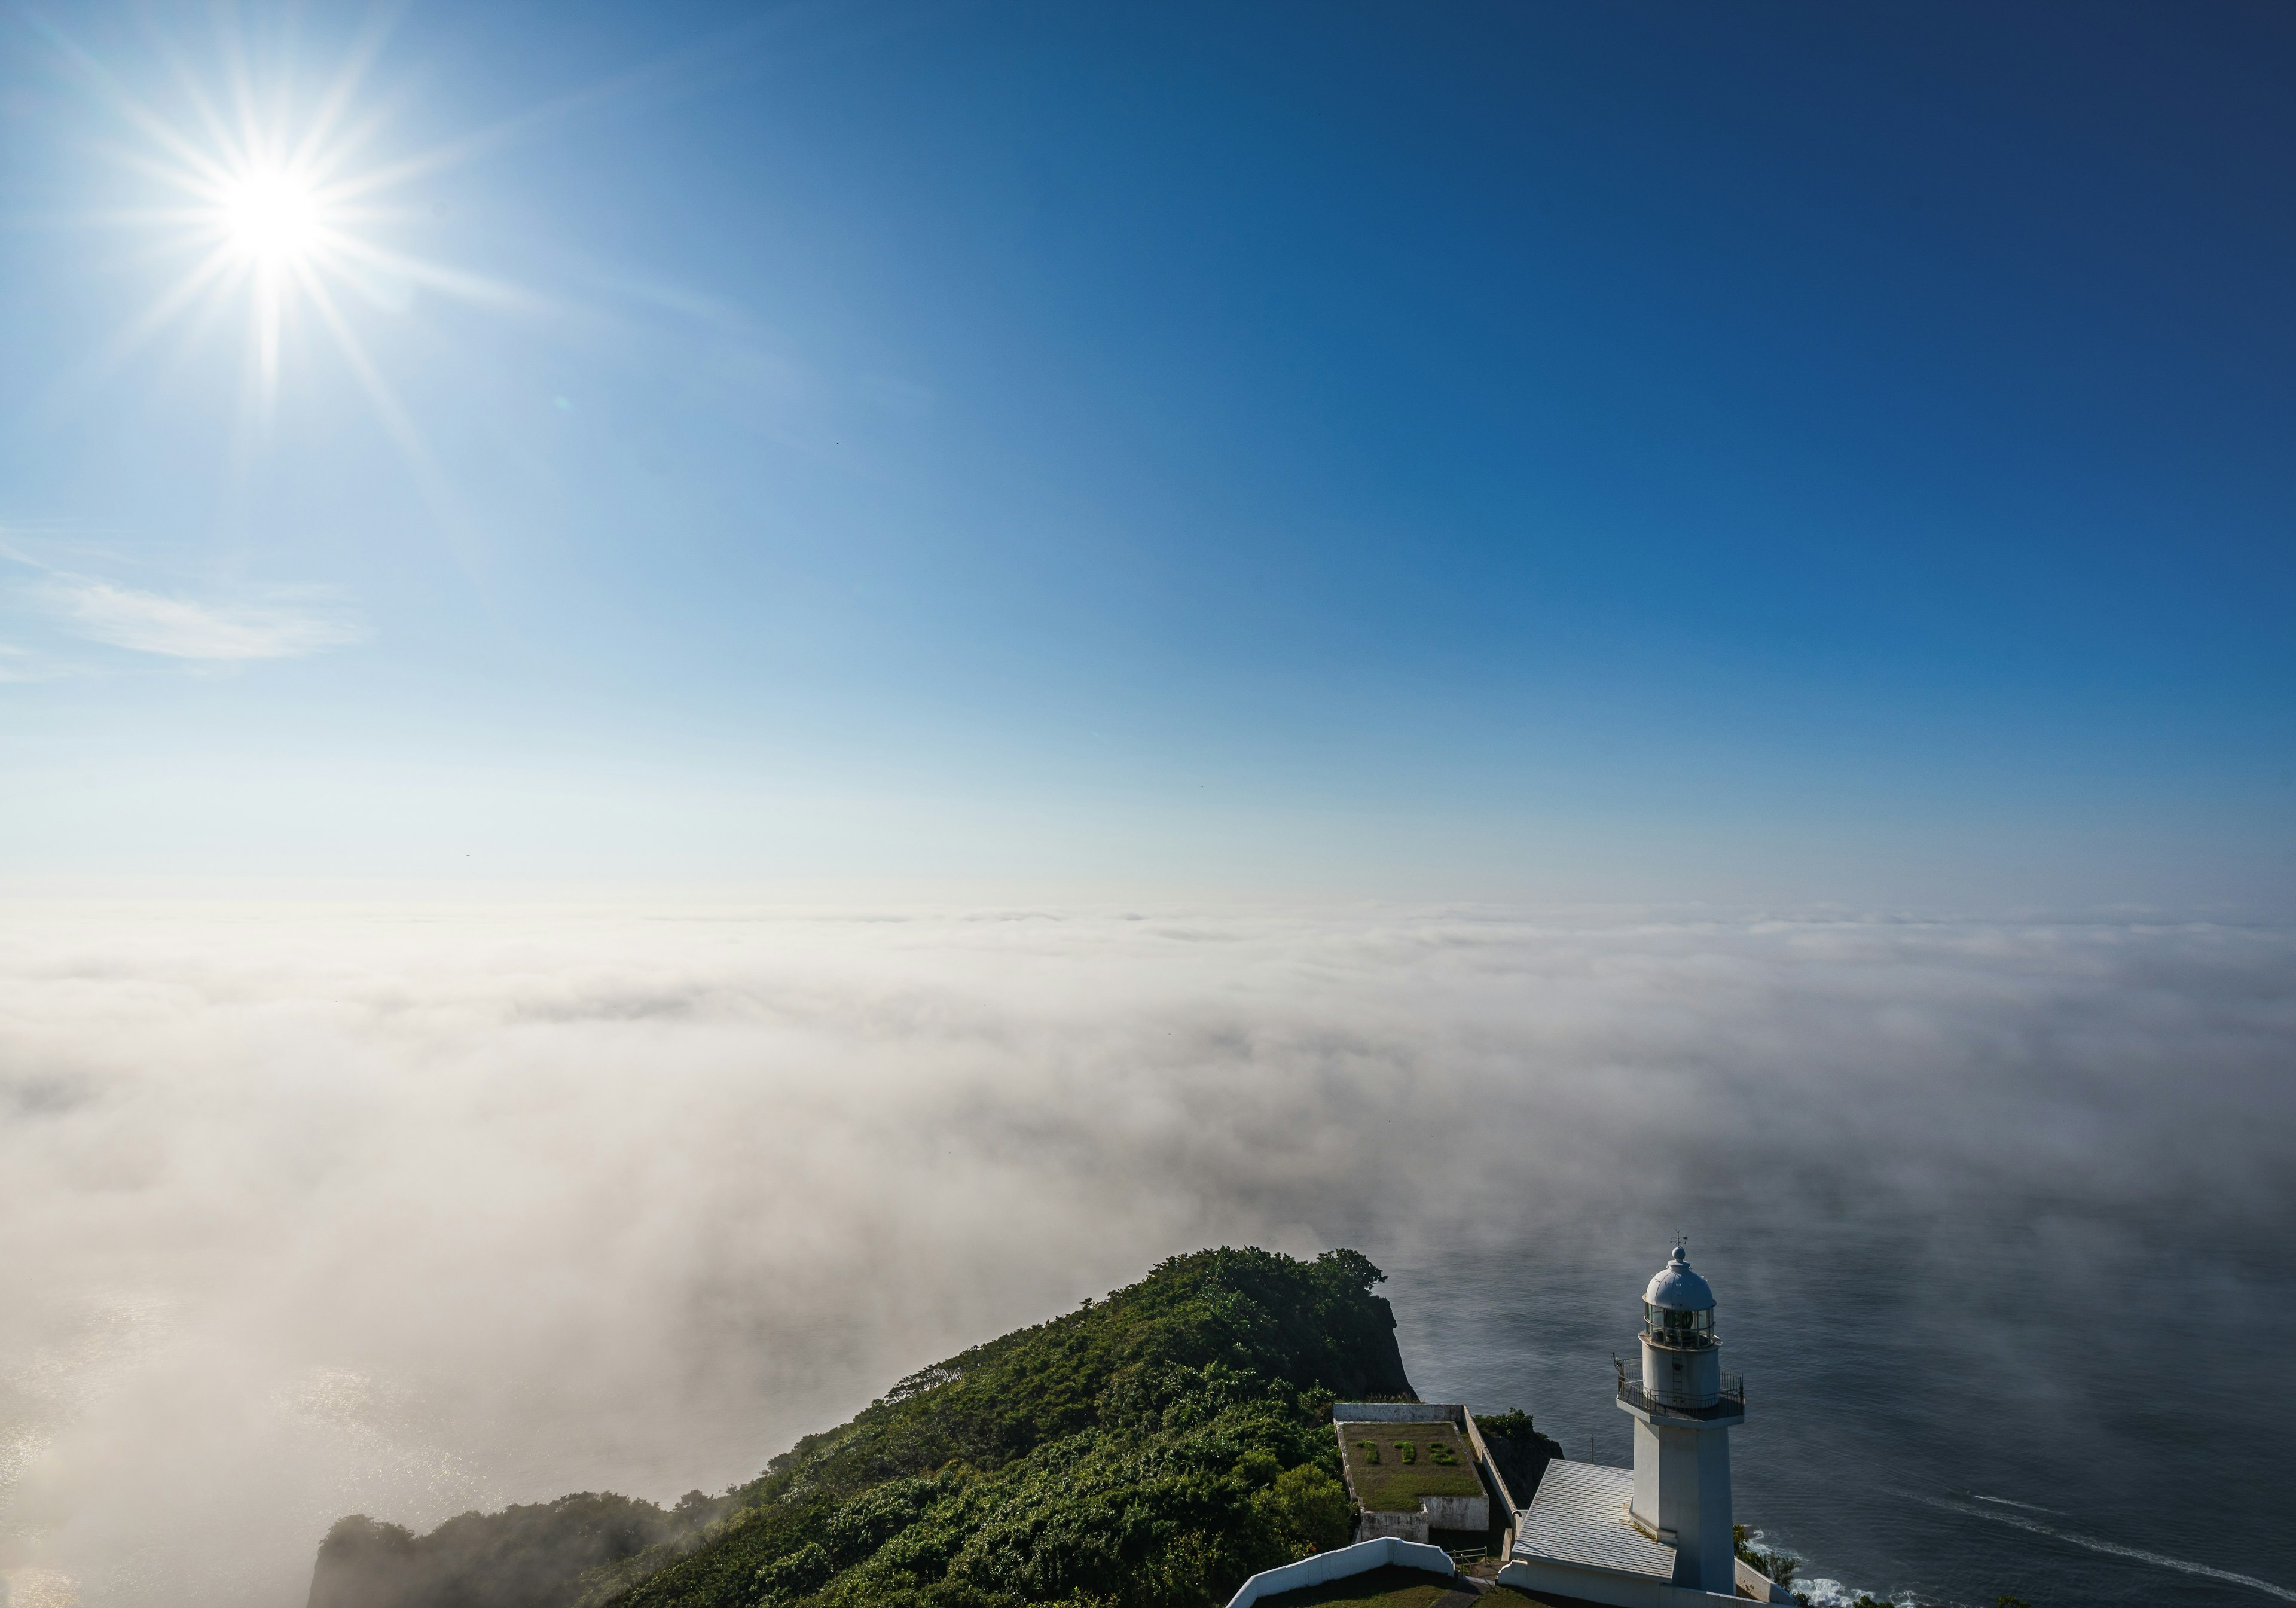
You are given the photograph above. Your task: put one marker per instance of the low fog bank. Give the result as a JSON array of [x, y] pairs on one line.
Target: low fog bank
[[400, 1212]]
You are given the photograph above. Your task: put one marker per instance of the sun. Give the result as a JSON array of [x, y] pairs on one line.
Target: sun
[[278, 201], [271, 218], [272, 191], [279, 227]]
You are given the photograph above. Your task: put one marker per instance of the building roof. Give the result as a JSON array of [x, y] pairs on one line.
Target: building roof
[[1579, 1516], [1394, 1467], [1678, 1288]]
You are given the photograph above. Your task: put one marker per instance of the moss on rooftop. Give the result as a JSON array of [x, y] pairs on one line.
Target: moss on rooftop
[[1394, 1465]]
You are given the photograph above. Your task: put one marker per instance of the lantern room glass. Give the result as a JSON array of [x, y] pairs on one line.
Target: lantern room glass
[[1682, 1331]]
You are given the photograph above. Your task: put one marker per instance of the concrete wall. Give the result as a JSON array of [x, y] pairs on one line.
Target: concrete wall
[[1435, 1512], [1617, 1589], [1336, 1565], [1372, 1524], [1397, 1411], [1508, 1506], [1458, 1513]]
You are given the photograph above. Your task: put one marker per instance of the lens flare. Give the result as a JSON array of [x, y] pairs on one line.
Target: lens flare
[[271, 218], [266, 190]]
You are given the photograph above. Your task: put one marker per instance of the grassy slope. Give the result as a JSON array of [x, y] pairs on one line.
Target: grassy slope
[[1150, 1450], [1391, 1485]]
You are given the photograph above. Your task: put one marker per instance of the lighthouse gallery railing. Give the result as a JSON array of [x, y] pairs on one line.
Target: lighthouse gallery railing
[[1730, 1404]]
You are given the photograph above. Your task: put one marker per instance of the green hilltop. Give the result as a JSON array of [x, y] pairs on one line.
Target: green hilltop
[[1147, 1451]]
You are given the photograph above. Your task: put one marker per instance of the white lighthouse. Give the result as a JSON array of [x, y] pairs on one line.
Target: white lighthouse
[[1683, 1409], [1657, 1536]]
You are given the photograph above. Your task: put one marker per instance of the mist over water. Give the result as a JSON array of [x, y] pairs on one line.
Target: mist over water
[[305, 1212]]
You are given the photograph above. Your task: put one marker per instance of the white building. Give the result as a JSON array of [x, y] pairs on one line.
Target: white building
[[1659, 1536]]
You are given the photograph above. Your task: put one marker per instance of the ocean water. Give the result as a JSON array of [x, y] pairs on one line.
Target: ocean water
[[1941, 1409]]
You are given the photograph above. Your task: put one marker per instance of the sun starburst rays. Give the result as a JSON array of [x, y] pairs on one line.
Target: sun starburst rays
[[277, 209]]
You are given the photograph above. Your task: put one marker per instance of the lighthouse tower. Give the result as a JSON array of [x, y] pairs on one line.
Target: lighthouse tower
[[1683, 1409]]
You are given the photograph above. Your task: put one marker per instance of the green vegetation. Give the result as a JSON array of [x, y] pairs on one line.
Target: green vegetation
[[1520, 1452], [522, 1557], [1394, 1482], [1149, 1451], [1388, 1588], [1780, 1566]]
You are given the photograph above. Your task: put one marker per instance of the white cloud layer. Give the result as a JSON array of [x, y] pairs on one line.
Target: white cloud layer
[[281, 624], [404, 1213]]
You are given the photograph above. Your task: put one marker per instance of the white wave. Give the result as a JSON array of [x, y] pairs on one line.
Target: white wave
[[2005, 1502], [2115, 1550], [1823, 1592]]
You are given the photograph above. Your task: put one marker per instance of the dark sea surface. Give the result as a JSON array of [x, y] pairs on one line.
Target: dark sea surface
[[1943, 1410]]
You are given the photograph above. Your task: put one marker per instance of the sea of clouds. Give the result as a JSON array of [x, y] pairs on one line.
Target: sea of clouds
[[306, 1211]]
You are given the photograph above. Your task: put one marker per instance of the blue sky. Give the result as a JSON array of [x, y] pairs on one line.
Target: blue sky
[[1653, 454]]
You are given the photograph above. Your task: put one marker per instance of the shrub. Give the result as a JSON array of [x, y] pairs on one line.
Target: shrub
[[801, 1573], [1520, 1452], [1309, 1509], [1780, 1566]]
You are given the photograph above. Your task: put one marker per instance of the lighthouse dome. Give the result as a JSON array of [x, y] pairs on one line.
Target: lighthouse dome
[[1675, 1288]]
